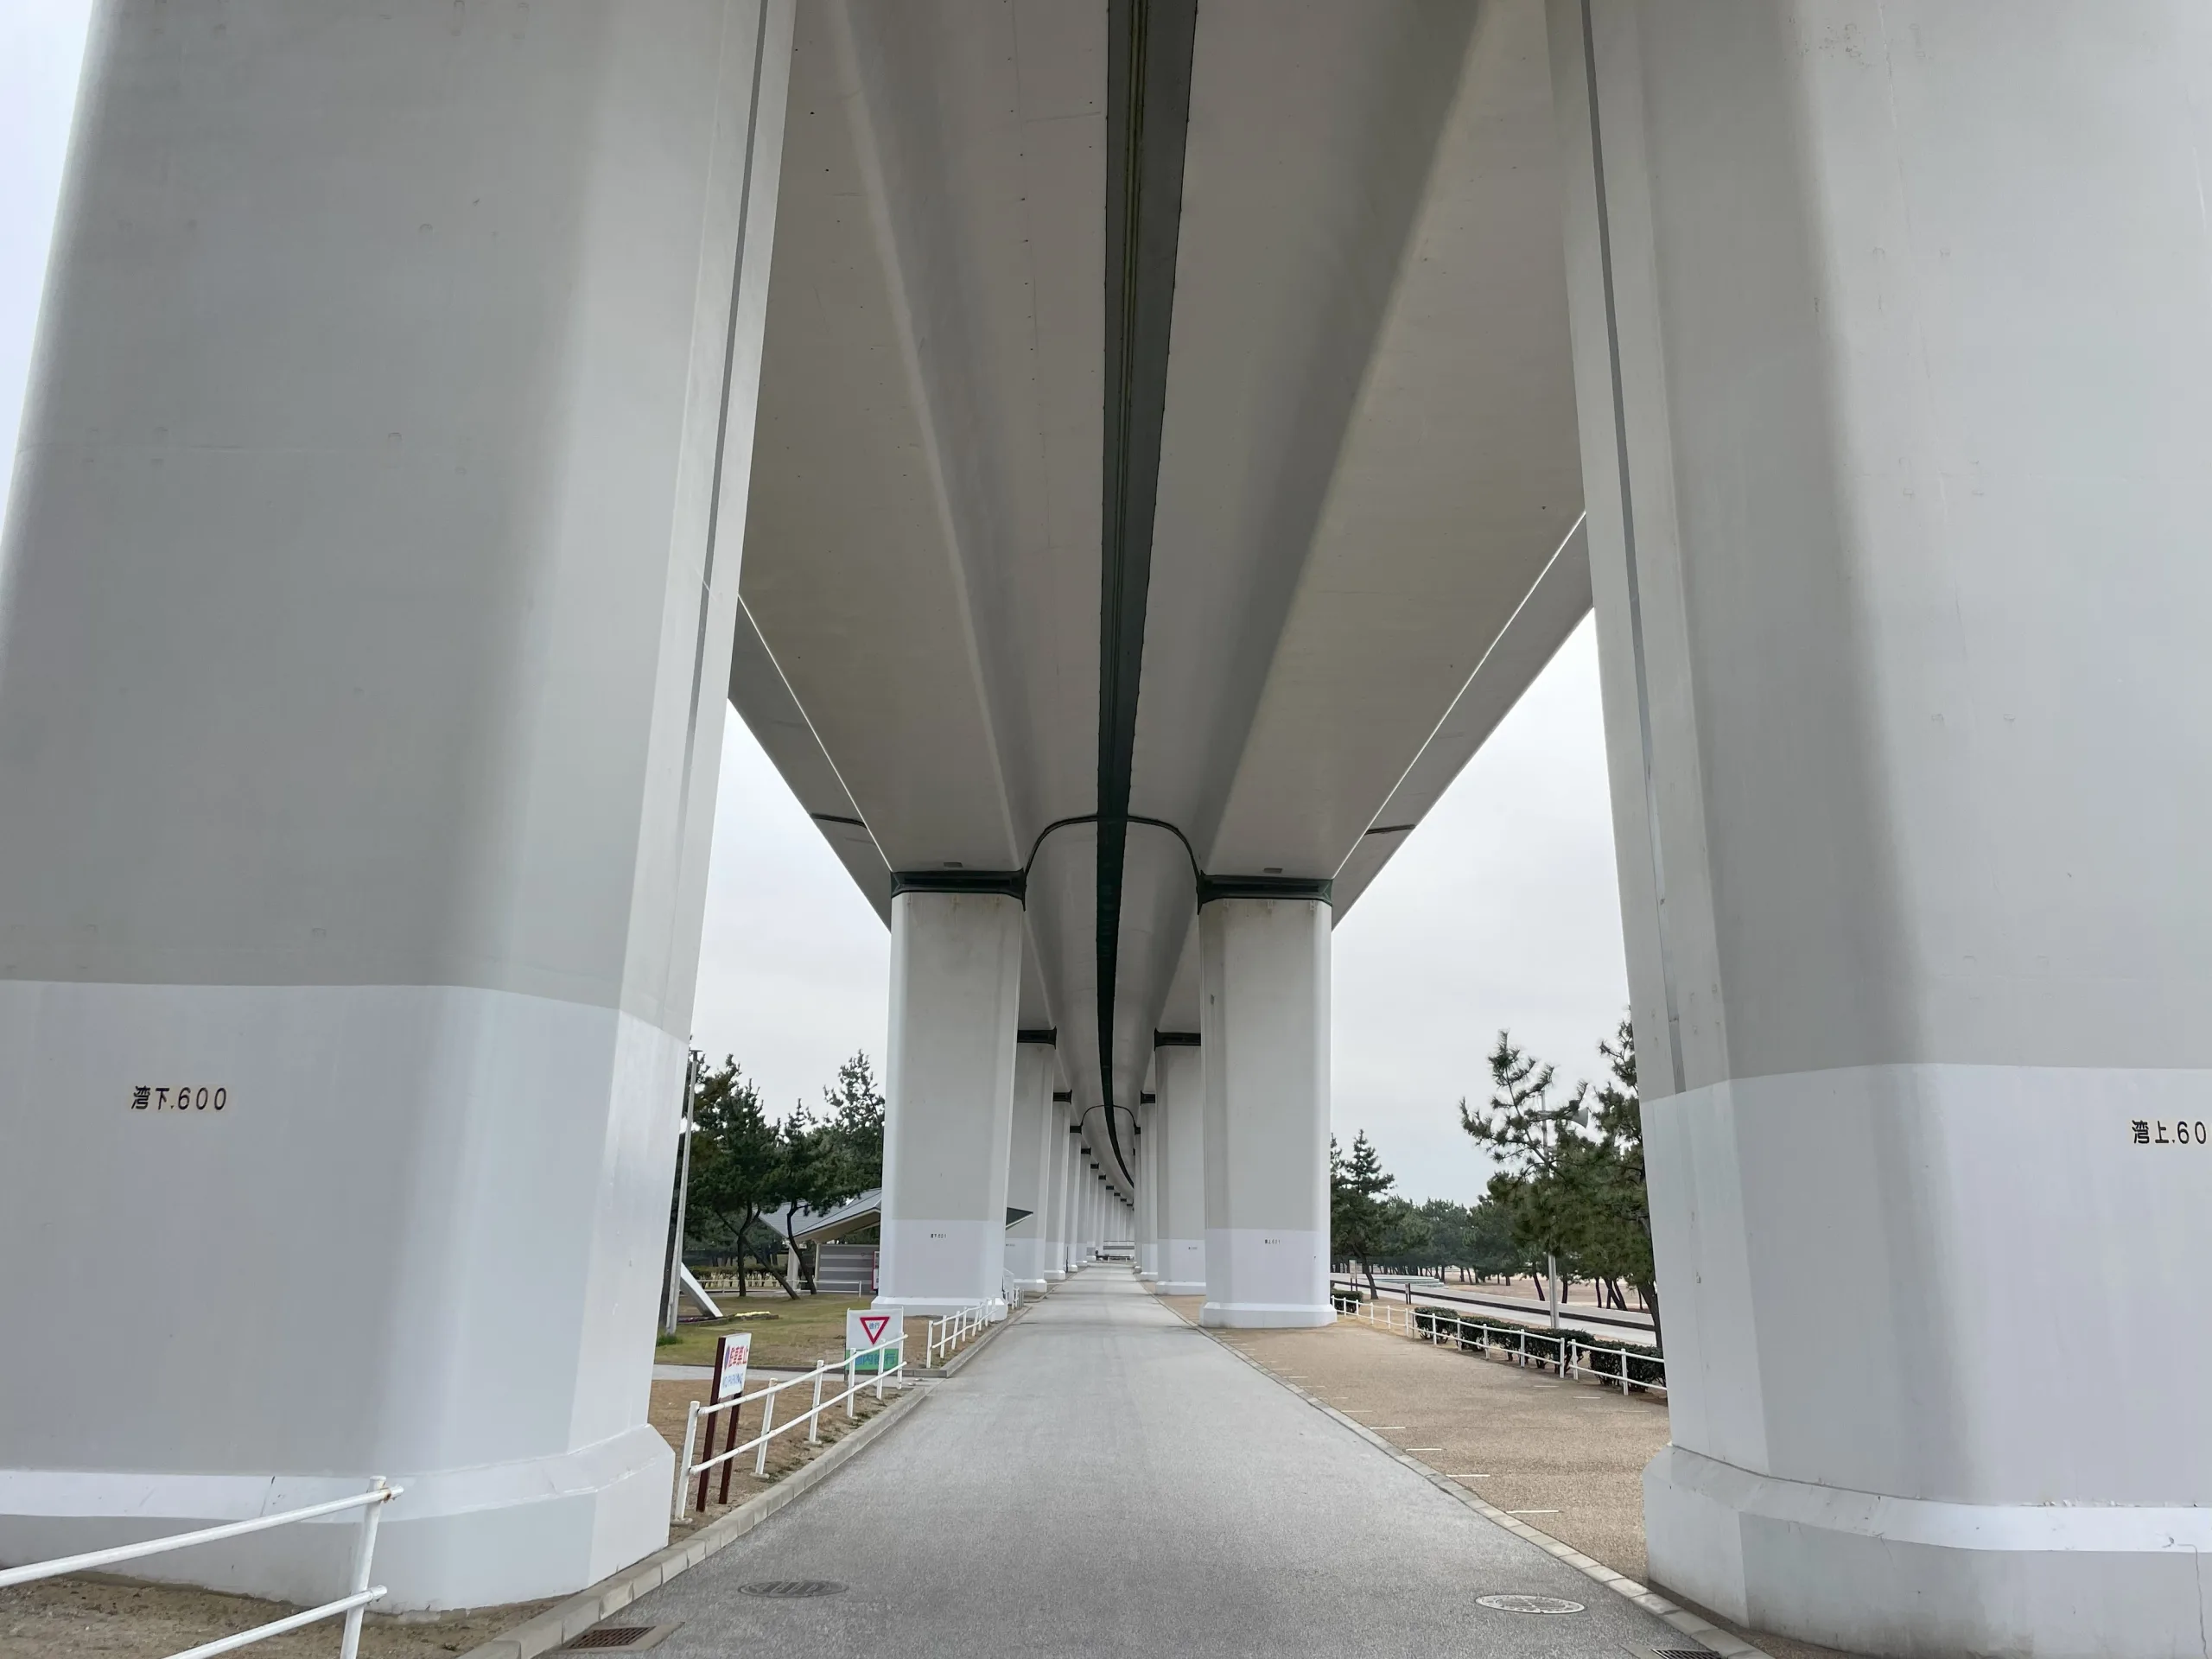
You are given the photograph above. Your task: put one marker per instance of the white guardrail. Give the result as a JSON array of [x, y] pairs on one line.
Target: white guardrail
[[945, 1335], [810, 1419], [362, 1592], [1570, 1356]]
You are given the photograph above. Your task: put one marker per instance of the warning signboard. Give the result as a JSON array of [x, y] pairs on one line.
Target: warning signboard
[[872, 1327], [732, 1356]]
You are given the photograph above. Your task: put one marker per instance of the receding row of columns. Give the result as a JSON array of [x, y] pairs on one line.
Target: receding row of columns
[[992, 1180]]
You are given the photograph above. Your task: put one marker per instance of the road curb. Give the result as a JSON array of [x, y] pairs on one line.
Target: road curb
[[566, 1620], [1710, 1635]]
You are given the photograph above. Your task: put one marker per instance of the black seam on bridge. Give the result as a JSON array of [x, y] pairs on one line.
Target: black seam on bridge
[[1010, 884], [1147, 115]]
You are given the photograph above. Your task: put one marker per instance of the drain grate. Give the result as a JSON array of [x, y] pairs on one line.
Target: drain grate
[[793, 1589], [619, 1638], [1529, 1604]]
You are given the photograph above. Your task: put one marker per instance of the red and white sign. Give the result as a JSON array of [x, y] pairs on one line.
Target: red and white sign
[[732, 1356], [871, 1327]]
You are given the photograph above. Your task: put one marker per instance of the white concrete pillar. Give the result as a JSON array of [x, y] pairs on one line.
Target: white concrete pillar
[[1028, 1147], [1264, 981], [366, 605], [955, 982], [1057, 1142], [1148, 1193], [1895, 369], [1181, 1116]]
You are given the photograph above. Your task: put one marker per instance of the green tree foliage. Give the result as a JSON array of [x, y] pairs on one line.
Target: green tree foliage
[[745, 1167], [853, 1130], [739, 1169], [1360, 1222], [1537, 1149], [1571, 1180], [1616, 1237]]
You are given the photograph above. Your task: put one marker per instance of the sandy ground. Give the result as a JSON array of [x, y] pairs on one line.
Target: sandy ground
[[115, 1618], [64, 1618], [1566, 1457]]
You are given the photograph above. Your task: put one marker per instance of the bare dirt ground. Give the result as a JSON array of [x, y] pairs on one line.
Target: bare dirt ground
[[1566, 1457], [65, 1618]]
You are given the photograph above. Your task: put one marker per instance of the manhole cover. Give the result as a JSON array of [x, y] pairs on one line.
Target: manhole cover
[[791, 1589], [619, 1638], [1529, 1604]]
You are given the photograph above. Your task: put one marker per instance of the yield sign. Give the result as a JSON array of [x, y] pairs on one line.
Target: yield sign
[[871, 1327]]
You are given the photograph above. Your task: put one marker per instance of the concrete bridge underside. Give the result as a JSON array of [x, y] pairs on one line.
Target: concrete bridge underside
[[1122, 457]]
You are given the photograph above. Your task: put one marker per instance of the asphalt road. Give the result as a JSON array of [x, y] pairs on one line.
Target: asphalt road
[[1104, 1479]]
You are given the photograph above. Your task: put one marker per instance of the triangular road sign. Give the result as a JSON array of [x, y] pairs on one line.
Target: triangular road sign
[[874, 1324]]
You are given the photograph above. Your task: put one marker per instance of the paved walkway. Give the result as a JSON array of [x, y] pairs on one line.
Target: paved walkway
[[1104, 1479]]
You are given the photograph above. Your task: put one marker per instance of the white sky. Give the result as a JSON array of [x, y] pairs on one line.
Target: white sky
[[1500, 910]]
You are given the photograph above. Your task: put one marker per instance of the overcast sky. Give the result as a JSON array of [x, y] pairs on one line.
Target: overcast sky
[[1499, 911]]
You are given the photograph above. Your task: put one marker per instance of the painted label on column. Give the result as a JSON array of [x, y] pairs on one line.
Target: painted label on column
[[178, 1098]]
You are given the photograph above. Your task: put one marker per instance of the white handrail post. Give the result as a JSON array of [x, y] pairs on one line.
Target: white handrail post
[[852, 1383], [767, 1417], [365, 1545], [814, 1417], [683, 1470]]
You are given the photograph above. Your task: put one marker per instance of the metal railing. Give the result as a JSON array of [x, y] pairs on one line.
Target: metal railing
[[362, 1592], [945, 1335], [810, 1419], [1565, 1352]]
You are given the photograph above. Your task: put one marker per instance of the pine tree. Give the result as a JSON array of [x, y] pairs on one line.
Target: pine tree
[[737, 1166], [1536, 1145], [853, 1160], [1356, 1217]]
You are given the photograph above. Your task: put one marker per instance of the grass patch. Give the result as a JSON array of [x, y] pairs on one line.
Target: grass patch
[[802, 1332]]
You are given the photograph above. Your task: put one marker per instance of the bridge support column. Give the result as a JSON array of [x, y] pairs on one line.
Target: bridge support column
[[1181, 1116], [365, 618], [1892, 357], [1029, 1146], [1264, 974], [1056, 1143], [956, 983], [1147, 1200]]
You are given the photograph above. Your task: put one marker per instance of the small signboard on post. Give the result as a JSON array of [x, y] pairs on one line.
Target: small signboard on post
[[871, 1327], [732, 1356]]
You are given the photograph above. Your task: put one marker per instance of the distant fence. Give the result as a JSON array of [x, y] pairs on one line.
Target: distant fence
[[1566, 1353]]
